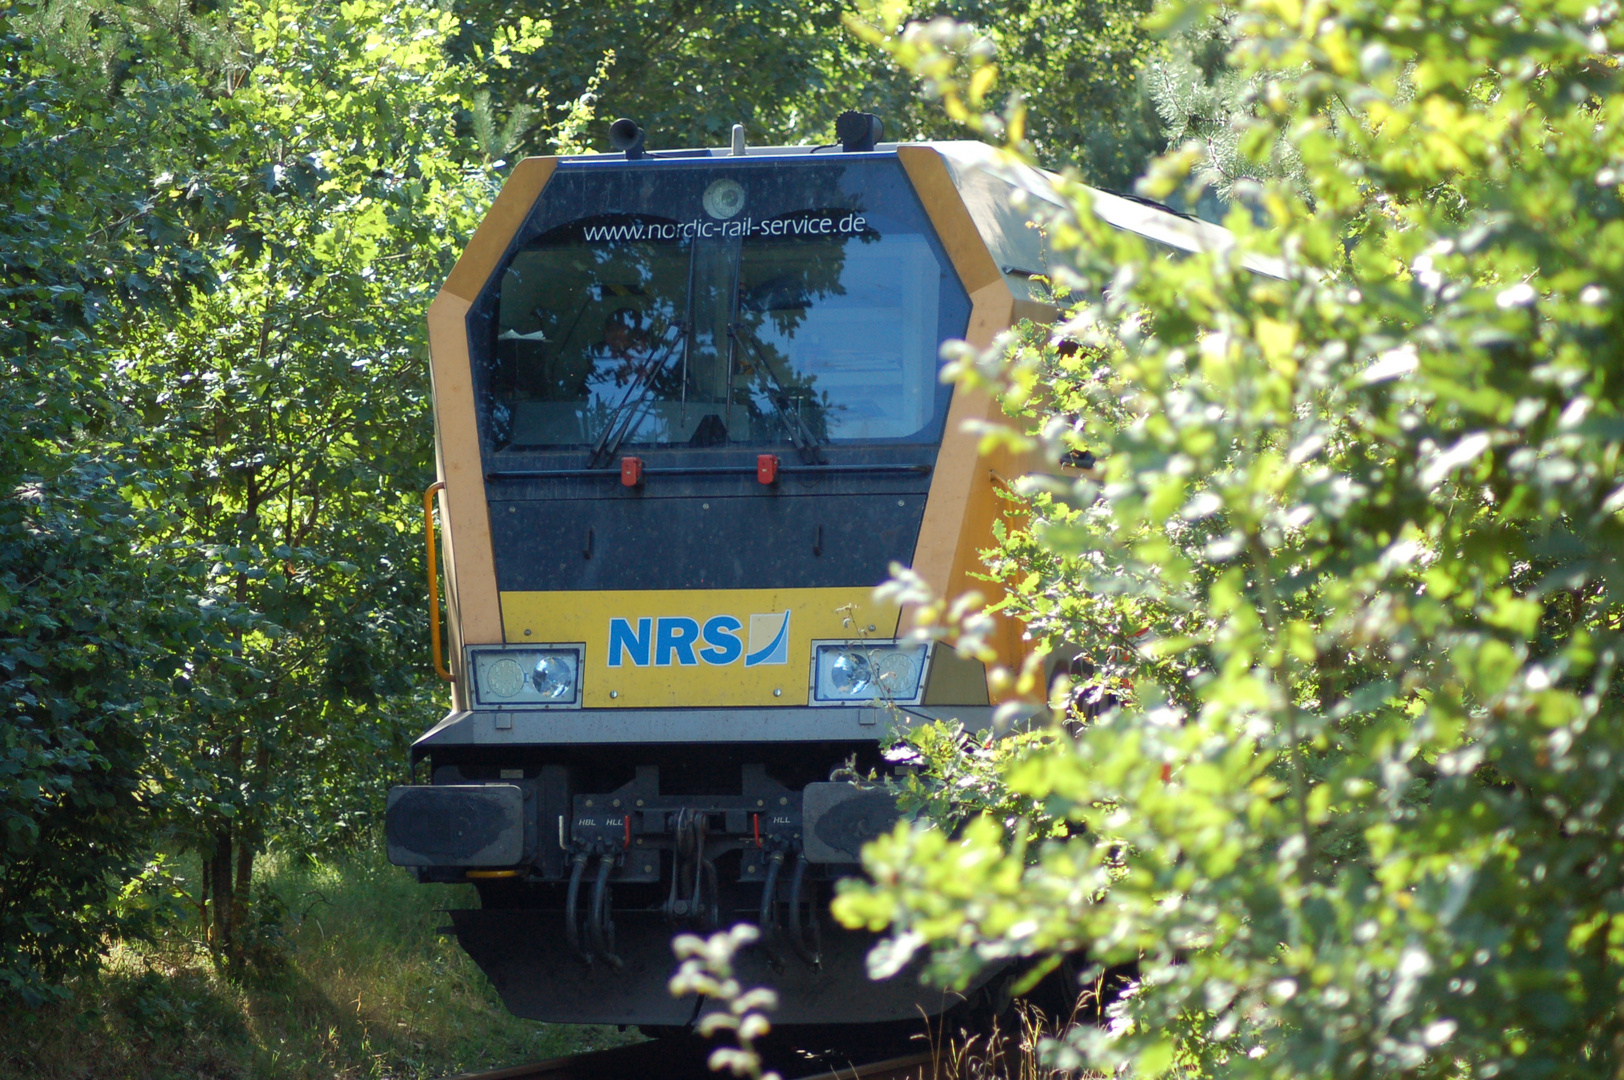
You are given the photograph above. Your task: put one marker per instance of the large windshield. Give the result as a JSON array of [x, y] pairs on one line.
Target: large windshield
[[807, 327]]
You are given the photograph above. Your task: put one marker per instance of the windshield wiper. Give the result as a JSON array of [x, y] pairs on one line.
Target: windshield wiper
[[603, 451], [806, 443], [606, 445], [620, 418]]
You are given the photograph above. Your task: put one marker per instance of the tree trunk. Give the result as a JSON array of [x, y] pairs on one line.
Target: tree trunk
[[251, 834], [245, 873], [225, 945], [203, 901]]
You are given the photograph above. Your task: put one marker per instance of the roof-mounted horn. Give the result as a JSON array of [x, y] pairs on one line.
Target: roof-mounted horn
[[858, 131], [625, 135]]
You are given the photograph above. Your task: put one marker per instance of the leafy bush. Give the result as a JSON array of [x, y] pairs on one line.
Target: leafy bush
[[88, 614], [84, 623], [1351, 562], [219, 232]]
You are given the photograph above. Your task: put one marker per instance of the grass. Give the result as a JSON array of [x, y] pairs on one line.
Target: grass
[[352, 981], [1012, 1050]]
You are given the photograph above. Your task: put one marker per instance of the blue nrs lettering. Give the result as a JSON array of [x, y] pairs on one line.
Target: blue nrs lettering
[[623, 643], [722, 637], [675, 636], [675, 640]]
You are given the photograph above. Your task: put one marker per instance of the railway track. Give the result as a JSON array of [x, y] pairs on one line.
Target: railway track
[[684, 1059]]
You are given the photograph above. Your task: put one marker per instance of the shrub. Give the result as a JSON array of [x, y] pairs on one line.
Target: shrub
[[1354, 547]]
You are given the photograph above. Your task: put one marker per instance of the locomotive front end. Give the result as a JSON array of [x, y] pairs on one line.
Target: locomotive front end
[[689, 415]]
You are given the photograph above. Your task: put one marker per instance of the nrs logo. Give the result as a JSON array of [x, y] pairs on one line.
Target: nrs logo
[[674, 640]]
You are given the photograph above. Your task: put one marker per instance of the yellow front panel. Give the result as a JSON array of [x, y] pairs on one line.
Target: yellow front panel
[[695, 648]]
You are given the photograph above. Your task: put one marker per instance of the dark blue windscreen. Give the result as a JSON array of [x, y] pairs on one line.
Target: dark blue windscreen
[[709, 303]]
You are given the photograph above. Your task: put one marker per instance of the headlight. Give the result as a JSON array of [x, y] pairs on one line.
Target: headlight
[[553, 677], [526, 676], [858, 671]]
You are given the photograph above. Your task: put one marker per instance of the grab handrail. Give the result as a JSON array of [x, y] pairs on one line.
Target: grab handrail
[[435, 646]]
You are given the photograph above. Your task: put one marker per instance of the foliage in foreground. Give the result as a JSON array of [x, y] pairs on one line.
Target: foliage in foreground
[[1360, 812]]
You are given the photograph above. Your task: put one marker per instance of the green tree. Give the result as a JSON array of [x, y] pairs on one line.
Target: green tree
[[220, 232], [291, 406], [689, 72], [1080, 69], [88, 615], [686, 72], [1359, 811]]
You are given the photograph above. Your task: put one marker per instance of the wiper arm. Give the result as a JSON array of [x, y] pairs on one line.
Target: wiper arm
[[620, 418], [619, 425], [806, 443]]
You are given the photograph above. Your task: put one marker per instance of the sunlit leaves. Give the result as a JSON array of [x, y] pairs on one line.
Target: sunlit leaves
[[1362, 785], [215, 431]]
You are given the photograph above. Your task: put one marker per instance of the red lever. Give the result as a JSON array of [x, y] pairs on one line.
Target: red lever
[[631, 471], [766, 468]]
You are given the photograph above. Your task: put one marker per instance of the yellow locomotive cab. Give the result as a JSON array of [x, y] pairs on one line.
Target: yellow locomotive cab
[[688, 415]]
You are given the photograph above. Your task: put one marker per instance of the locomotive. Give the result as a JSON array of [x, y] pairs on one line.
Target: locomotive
[[688, 414]]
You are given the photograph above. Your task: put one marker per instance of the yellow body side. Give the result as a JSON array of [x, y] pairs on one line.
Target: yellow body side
[[584, 617]]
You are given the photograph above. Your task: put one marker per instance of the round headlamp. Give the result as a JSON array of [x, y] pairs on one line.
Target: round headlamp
[[553, 678], [850, 673], [895, 673], [504, 678]]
